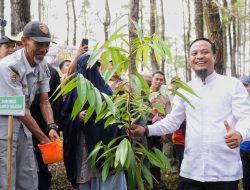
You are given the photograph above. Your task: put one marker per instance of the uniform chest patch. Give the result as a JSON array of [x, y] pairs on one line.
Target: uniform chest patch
[[14, 75]]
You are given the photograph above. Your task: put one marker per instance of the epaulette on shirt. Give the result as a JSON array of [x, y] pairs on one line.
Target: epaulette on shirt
[[46, 70]]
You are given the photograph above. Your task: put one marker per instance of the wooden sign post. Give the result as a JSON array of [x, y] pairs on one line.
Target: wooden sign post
[[11, 106]]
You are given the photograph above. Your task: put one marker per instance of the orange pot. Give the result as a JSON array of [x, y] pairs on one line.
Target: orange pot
[[51, 152]]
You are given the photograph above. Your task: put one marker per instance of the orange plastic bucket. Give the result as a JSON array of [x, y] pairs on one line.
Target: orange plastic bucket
[[51, 152]]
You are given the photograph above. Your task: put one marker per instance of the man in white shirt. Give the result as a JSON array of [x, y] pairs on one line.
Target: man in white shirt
[[245, 146], [215, 127]]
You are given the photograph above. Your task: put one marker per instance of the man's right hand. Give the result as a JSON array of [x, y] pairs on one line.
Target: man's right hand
[[53, 135], [136, 131], [33, 127], [45, 140]]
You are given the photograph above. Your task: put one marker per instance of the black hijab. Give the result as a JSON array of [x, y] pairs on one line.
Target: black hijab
[[92, 74], [93, 132]]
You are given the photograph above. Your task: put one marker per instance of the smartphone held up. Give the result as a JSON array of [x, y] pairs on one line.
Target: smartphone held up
[[85, 41]]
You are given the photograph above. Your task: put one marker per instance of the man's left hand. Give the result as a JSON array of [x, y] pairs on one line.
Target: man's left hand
[[233, 138]]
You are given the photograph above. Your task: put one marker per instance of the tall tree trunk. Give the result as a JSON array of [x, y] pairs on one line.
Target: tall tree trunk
[[244, 38], [157, 28], [154, 64], [198, 19], [175, 60], [20, 15], [74, 16], [233, 68], [187, 42], [162, 32], [40, 10], [224, 33], [85, 5], [43, 11], [234, 35], [106, 23], [214, 28], [238, 46], [248, 35], [2, 16], [67, 5], [133, 15], [141, 22], [238, 37]]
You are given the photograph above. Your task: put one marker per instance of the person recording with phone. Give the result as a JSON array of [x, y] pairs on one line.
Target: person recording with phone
[[81, 50]]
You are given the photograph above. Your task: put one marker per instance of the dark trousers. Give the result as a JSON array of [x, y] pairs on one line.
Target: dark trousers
[[245, 158], [154, 141], [178, 153], [44, 175], [189, 184]]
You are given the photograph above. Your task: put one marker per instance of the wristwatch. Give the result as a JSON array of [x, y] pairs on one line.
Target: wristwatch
[[52, 126]]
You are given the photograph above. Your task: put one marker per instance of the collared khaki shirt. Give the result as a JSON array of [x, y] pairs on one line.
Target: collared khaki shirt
[[17, 77]]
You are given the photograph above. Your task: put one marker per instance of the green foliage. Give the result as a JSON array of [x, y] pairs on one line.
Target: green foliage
[[124, 108]]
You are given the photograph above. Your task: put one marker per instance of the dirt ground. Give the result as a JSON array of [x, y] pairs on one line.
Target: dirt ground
[[60, 182]]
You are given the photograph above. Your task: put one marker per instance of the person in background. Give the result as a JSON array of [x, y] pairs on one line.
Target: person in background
[[116, 82], [80, 138], [245, 146], [44, 175], [64, 67], [178, 137], [216, 124], [158, 80], [18, 40], [7, 46], [25, 73], [72, 67]]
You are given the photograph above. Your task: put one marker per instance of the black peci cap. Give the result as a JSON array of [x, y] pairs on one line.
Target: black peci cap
[[37, 31]]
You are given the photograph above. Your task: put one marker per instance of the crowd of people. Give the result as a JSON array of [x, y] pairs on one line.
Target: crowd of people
[[204, 143]]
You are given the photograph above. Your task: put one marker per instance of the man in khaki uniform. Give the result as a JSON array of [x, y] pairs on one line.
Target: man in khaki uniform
[[25, 73]]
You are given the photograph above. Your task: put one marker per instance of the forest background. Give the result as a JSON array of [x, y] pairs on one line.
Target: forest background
[[226, 22]]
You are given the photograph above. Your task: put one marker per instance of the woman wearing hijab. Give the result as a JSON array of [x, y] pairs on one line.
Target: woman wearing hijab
[[80, 138]]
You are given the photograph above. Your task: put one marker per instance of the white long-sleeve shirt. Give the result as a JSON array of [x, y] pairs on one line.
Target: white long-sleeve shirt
[[206, 156]]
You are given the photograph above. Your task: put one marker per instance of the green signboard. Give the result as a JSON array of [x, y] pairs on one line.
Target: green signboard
[[12, 105]]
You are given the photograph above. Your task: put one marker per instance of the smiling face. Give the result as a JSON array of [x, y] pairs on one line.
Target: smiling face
[[35, 51], [7, 49], [202, 58], [157, 82]]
